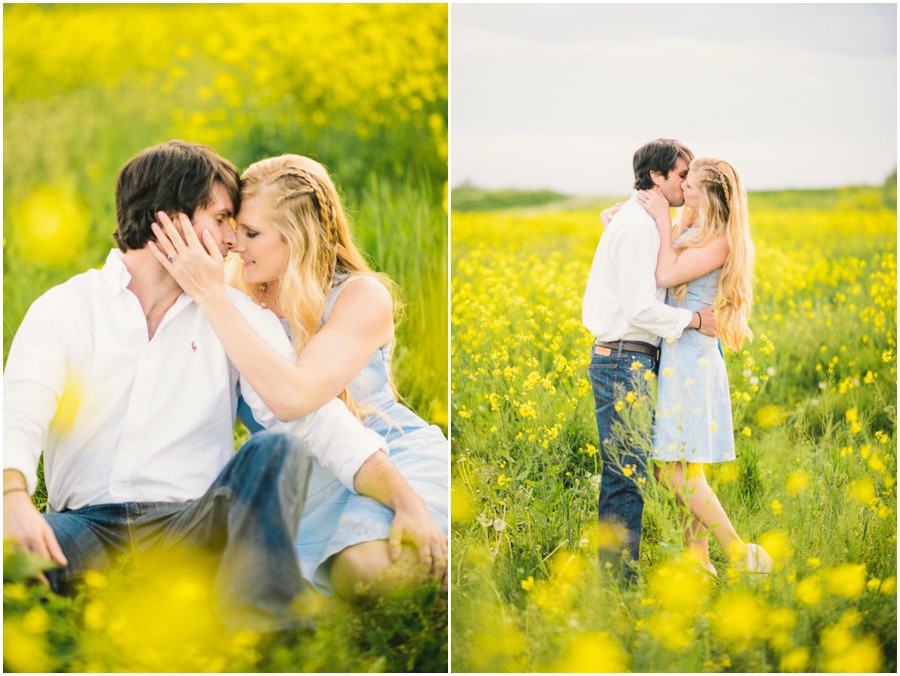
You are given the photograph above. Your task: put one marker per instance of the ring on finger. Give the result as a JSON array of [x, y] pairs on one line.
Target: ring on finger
[[171, 257]]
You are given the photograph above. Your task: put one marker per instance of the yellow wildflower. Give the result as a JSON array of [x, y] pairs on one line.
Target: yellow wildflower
[[847, 580], [809, 590]]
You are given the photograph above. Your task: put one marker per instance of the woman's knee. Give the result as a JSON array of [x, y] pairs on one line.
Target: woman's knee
[[365, 569]]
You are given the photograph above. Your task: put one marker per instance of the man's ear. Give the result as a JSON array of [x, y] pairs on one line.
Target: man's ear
[[657, 178]]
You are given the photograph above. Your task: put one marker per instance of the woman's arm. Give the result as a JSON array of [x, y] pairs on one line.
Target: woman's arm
[[607, 214], [674, 268], [360, 323], [381, 481]]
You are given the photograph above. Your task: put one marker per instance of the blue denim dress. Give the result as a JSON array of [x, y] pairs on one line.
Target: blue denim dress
[[334, 517], [693, 408]]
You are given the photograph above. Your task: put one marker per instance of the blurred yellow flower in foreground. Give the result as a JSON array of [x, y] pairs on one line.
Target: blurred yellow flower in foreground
[[809, 590], [797, 482], [777, 544], [768, 416], [462, 509], [845, 652], [795, 660], [595, 652], [610, 536], [24, 650], [740, 618], [69, 405], [51, 227], [679, 585], [847, 581], [863, 491]]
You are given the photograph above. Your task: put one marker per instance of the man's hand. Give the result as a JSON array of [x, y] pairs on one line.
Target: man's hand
[[709, 324], [25, 524], [413, 524]]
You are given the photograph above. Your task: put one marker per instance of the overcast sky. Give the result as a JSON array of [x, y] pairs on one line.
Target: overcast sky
[[560, 96]]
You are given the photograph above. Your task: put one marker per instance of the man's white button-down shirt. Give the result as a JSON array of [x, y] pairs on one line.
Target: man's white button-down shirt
[[621, 301], [122, 418]]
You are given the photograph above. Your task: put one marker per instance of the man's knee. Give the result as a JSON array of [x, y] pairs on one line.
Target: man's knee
[[275, 449]]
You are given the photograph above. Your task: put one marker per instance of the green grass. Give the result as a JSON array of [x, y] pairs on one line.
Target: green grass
[[470, 198]]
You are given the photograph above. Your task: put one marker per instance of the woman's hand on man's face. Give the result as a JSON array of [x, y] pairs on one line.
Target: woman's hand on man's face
[[656, 205], [197, 267]]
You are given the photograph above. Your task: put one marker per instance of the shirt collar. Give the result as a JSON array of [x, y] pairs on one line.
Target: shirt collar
[[114, 272]]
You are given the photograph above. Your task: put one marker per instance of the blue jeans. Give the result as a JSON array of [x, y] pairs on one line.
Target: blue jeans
[[621, 503], [247, 523]]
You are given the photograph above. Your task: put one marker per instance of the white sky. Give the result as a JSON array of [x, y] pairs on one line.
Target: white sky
[[560, 96]]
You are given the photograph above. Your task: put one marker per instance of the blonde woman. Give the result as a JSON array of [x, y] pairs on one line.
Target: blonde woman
[[707, 259], [296, 257]]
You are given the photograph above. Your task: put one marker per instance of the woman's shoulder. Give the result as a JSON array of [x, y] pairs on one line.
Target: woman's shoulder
[[361, 288], [365, 305], [360, 293]]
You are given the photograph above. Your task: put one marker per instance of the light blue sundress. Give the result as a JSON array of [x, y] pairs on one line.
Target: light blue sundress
[[693, 407], [335, 518]]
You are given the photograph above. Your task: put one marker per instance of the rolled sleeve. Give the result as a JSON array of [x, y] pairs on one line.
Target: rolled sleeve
[[338, 440]]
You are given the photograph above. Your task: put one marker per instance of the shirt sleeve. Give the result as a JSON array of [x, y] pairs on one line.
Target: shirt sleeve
[[33, 383], [637, 283], [332, 434]]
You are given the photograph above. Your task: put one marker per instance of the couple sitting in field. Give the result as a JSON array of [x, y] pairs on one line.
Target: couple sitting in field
[[128, 379], [706, 265]]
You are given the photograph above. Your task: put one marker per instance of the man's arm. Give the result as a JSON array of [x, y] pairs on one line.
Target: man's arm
[[32, 384], [24, 523], [638, 250]]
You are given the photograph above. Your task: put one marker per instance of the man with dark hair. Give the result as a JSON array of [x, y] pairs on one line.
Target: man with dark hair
[[172, 177], [627, 315], [659, 157], [118, 378]]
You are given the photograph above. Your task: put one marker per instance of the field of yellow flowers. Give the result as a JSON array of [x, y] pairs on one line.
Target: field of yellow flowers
[[814, 399], [363, 89]]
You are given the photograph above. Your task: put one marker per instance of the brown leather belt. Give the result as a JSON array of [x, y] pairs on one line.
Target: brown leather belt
[[629, 346]]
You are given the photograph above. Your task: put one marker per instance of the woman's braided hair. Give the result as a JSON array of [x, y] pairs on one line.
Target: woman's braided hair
[[305, 208], [723, 210]]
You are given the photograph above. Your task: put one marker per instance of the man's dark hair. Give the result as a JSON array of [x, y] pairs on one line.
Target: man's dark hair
[[660, 156], [171, 177]]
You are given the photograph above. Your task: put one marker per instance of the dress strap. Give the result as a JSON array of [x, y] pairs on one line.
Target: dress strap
[[340, 282]]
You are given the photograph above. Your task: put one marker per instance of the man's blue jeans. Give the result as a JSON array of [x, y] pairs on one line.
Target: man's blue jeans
[[621, 504], [247, 521]]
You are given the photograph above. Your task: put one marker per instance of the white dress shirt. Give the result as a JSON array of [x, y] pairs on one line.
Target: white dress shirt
[[122, 418], [621, 301]]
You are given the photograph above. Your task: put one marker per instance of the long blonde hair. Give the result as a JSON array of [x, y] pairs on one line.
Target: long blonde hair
[[723, 209], [306, 210]]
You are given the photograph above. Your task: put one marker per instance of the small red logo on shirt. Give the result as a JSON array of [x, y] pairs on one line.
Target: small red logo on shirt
[[193, 346]]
